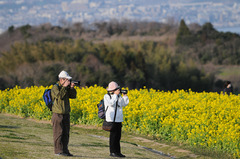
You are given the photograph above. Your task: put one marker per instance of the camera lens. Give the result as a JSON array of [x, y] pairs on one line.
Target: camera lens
[[124, 91], [76, 82]]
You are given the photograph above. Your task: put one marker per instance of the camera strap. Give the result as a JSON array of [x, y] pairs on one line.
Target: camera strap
[[115, 111]]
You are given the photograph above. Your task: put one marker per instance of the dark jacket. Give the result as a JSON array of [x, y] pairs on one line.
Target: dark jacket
[[228, 90], [60, 96]]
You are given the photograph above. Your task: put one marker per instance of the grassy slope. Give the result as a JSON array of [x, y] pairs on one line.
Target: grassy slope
[[25, 138], [226, 73]]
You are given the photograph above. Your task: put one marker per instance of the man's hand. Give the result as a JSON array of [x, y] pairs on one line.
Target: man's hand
[[72, 85], [66, 83]]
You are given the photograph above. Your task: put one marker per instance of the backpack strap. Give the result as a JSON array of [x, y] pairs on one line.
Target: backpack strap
[[57, 84], [110, 98], [110, 95]]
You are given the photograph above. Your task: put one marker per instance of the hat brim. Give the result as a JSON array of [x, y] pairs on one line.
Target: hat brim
[[113, 89], [68, 77]]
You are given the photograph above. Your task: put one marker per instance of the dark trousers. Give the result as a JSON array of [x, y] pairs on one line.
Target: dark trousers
[[115, 136], [61, 128]]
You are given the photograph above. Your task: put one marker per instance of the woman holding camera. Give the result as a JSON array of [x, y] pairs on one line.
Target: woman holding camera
[[114, 101]]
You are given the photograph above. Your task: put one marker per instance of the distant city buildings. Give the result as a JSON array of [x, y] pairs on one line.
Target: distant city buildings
[[221, 14]]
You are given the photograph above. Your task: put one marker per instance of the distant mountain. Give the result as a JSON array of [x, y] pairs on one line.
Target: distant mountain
[[220, 13]]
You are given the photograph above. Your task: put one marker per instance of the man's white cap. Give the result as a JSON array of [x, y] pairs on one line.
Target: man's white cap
[[64, 74]]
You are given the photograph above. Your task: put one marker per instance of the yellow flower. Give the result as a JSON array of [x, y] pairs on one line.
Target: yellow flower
[[203, 119]]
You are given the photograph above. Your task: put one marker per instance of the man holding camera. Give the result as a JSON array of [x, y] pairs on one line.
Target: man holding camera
[[114, 103], [61, 92]]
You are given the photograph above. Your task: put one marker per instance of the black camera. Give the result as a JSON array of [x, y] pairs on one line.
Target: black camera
[[76, 82], [123, 91]]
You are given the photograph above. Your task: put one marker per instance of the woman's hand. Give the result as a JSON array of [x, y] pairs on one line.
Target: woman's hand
[[117, 92]]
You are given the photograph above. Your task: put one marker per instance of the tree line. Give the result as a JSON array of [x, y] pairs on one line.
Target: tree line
[[207, 45], [132, 63]]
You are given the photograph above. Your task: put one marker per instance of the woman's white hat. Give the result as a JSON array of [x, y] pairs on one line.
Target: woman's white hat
[[64, 74], [112, 86]]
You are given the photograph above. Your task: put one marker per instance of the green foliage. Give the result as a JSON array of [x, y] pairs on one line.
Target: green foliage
[[11, 29], [73, 57], [50, 74], [209, 45], [131, 63], [184, 35], [56, 39], [41, 53], [24, 30], [151, 64], [119, 63]]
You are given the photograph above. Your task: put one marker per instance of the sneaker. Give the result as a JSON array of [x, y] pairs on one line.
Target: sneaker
[[69, 154], [121, 155], [61, 154], [117, 155], [114, 155]]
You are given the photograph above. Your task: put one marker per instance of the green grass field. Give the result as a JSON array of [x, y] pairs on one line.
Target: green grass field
[[28, 138]]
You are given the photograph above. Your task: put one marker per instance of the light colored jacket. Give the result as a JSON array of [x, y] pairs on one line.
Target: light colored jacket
[[110, 106]]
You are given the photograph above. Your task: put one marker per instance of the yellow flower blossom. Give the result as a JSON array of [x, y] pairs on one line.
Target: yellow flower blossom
[[209, 120]]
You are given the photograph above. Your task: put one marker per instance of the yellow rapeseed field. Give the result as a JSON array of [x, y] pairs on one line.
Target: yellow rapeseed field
[[209, 120]]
